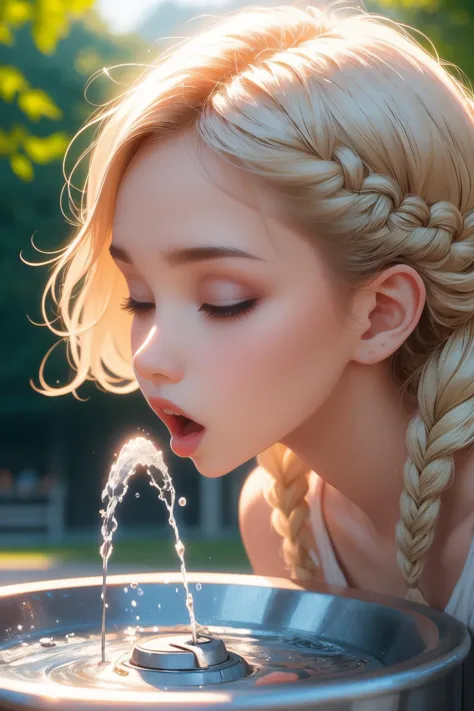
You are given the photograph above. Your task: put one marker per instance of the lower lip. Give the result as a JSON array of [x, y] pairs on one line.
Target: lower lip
[[187, 445]]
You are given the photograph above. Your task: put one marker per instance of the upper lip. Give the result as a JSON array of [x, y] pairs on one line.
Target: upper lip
[[158, 404]]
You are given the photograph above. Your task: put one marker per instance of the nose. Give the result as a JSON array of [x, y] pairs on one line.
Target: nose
[[153, 360]]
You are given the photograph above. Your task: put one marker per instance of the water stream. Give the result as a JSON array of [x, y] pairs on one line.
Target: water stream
[[138, 452]]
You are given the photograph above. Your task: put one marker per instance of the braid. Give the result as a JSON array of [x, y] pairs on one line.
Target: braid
[[437, 239], [290, 508], [440, 241], [444, 424]]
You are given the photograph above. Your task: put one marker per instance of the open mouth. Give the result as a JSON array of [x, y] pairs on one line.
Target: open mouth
[[183, 426], [184, 431]]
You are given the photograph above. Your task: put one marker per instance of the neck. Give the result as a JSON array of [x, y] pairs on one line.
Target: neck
[[356, 443]]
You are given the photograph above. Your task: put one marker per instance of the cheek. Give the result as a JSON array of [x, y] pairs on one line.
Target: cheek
[[287, 340]]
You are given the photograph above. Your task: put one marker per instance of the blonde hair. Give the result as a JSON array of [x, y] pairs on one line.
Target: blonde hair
[[369, 141]]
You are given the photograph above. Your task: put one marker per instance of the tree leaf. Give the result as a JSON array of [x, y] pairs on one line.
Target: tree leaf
[[44, 150], [6, 36], [12, 82], [50, 23], [36, 104], [11, 142], [16, 12], [46, 38], [79, 7], [52, 19], [22, 166]]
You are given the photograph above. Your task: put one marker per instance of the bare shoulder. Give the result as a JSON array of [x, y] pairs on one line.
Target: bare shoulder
[[262, 543]]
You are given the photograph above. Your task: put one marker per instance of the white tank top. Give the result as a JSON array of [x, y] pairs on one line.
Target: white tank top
[[461, 602]]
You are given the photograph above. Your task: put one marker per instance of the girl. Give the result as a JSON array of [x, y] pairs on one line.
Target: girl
[[277, 243]]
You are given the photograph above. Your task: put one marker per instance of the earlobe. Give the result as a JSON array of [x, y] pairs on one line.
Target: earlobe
[[392, 305]]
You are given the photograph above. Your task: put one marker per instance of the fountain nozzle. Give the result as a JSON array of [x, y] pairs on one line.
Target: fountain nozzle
[[179, 661], [179, 653]]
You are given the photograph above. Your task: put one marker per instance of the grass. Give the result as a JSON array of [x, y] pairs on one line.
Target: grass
[[221, 555]]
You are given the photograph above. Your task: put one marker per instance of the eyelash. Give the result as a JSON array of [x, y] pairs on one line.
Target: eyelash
[[212, 312]]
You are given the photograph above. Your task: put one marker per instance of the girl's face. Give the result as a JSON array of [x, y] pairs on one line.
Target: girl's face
[[249, 345]]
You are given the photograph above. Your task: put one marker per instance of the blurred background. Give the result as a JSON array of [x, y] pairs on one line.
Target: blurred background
[[55, 453]]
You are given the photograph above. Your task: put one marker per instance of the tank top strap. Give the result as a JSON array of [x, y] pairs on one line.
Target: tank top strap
[[324, 555], [461, 602]]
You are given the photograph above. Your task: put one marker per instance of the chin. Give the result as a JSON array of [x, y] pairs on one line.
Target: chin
[[212, 470]]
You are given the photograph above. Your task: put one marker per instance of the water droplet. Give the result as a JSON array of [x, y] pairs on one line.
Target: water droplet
[[176, 589], [159, 606], [156, 629], [20, 627], [134, 585], [140, 592], [32, 627], [24, 644], [137, 617], [134, 603], [182, 501], [47, 642], [198, 586], [137, 495], [180, 549], [125, 590]]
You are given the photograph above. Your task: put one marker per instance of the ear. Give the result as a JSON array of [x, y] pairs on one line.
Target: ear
[[388, 309]]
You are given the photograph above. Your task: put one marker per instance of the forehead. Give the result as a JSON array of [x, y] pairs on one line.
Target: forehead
[[173, 195], [173, 180]]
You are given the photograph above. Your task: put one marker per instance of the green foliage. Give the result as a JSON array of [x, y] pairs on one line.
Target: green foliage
[[31, 187], [449, 25], [49, 21], [40, 90]]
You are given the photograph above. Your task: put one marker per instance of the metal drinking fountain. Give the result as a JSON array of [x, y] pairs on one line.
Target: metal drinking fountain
[[239, 642], [262, 644]]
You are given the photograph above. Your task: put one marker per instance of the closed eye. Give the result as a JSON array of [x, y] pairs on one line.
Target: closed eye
[[135, 307], [229, 311], [211, 310]]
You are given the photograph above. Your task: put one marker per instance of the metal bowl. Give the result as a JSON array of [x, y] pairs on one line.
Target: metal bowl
[[329, 649]]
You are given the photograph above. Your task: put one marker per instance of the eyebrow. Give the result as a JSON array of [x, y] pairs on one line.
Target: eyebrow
[[187, 255]]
